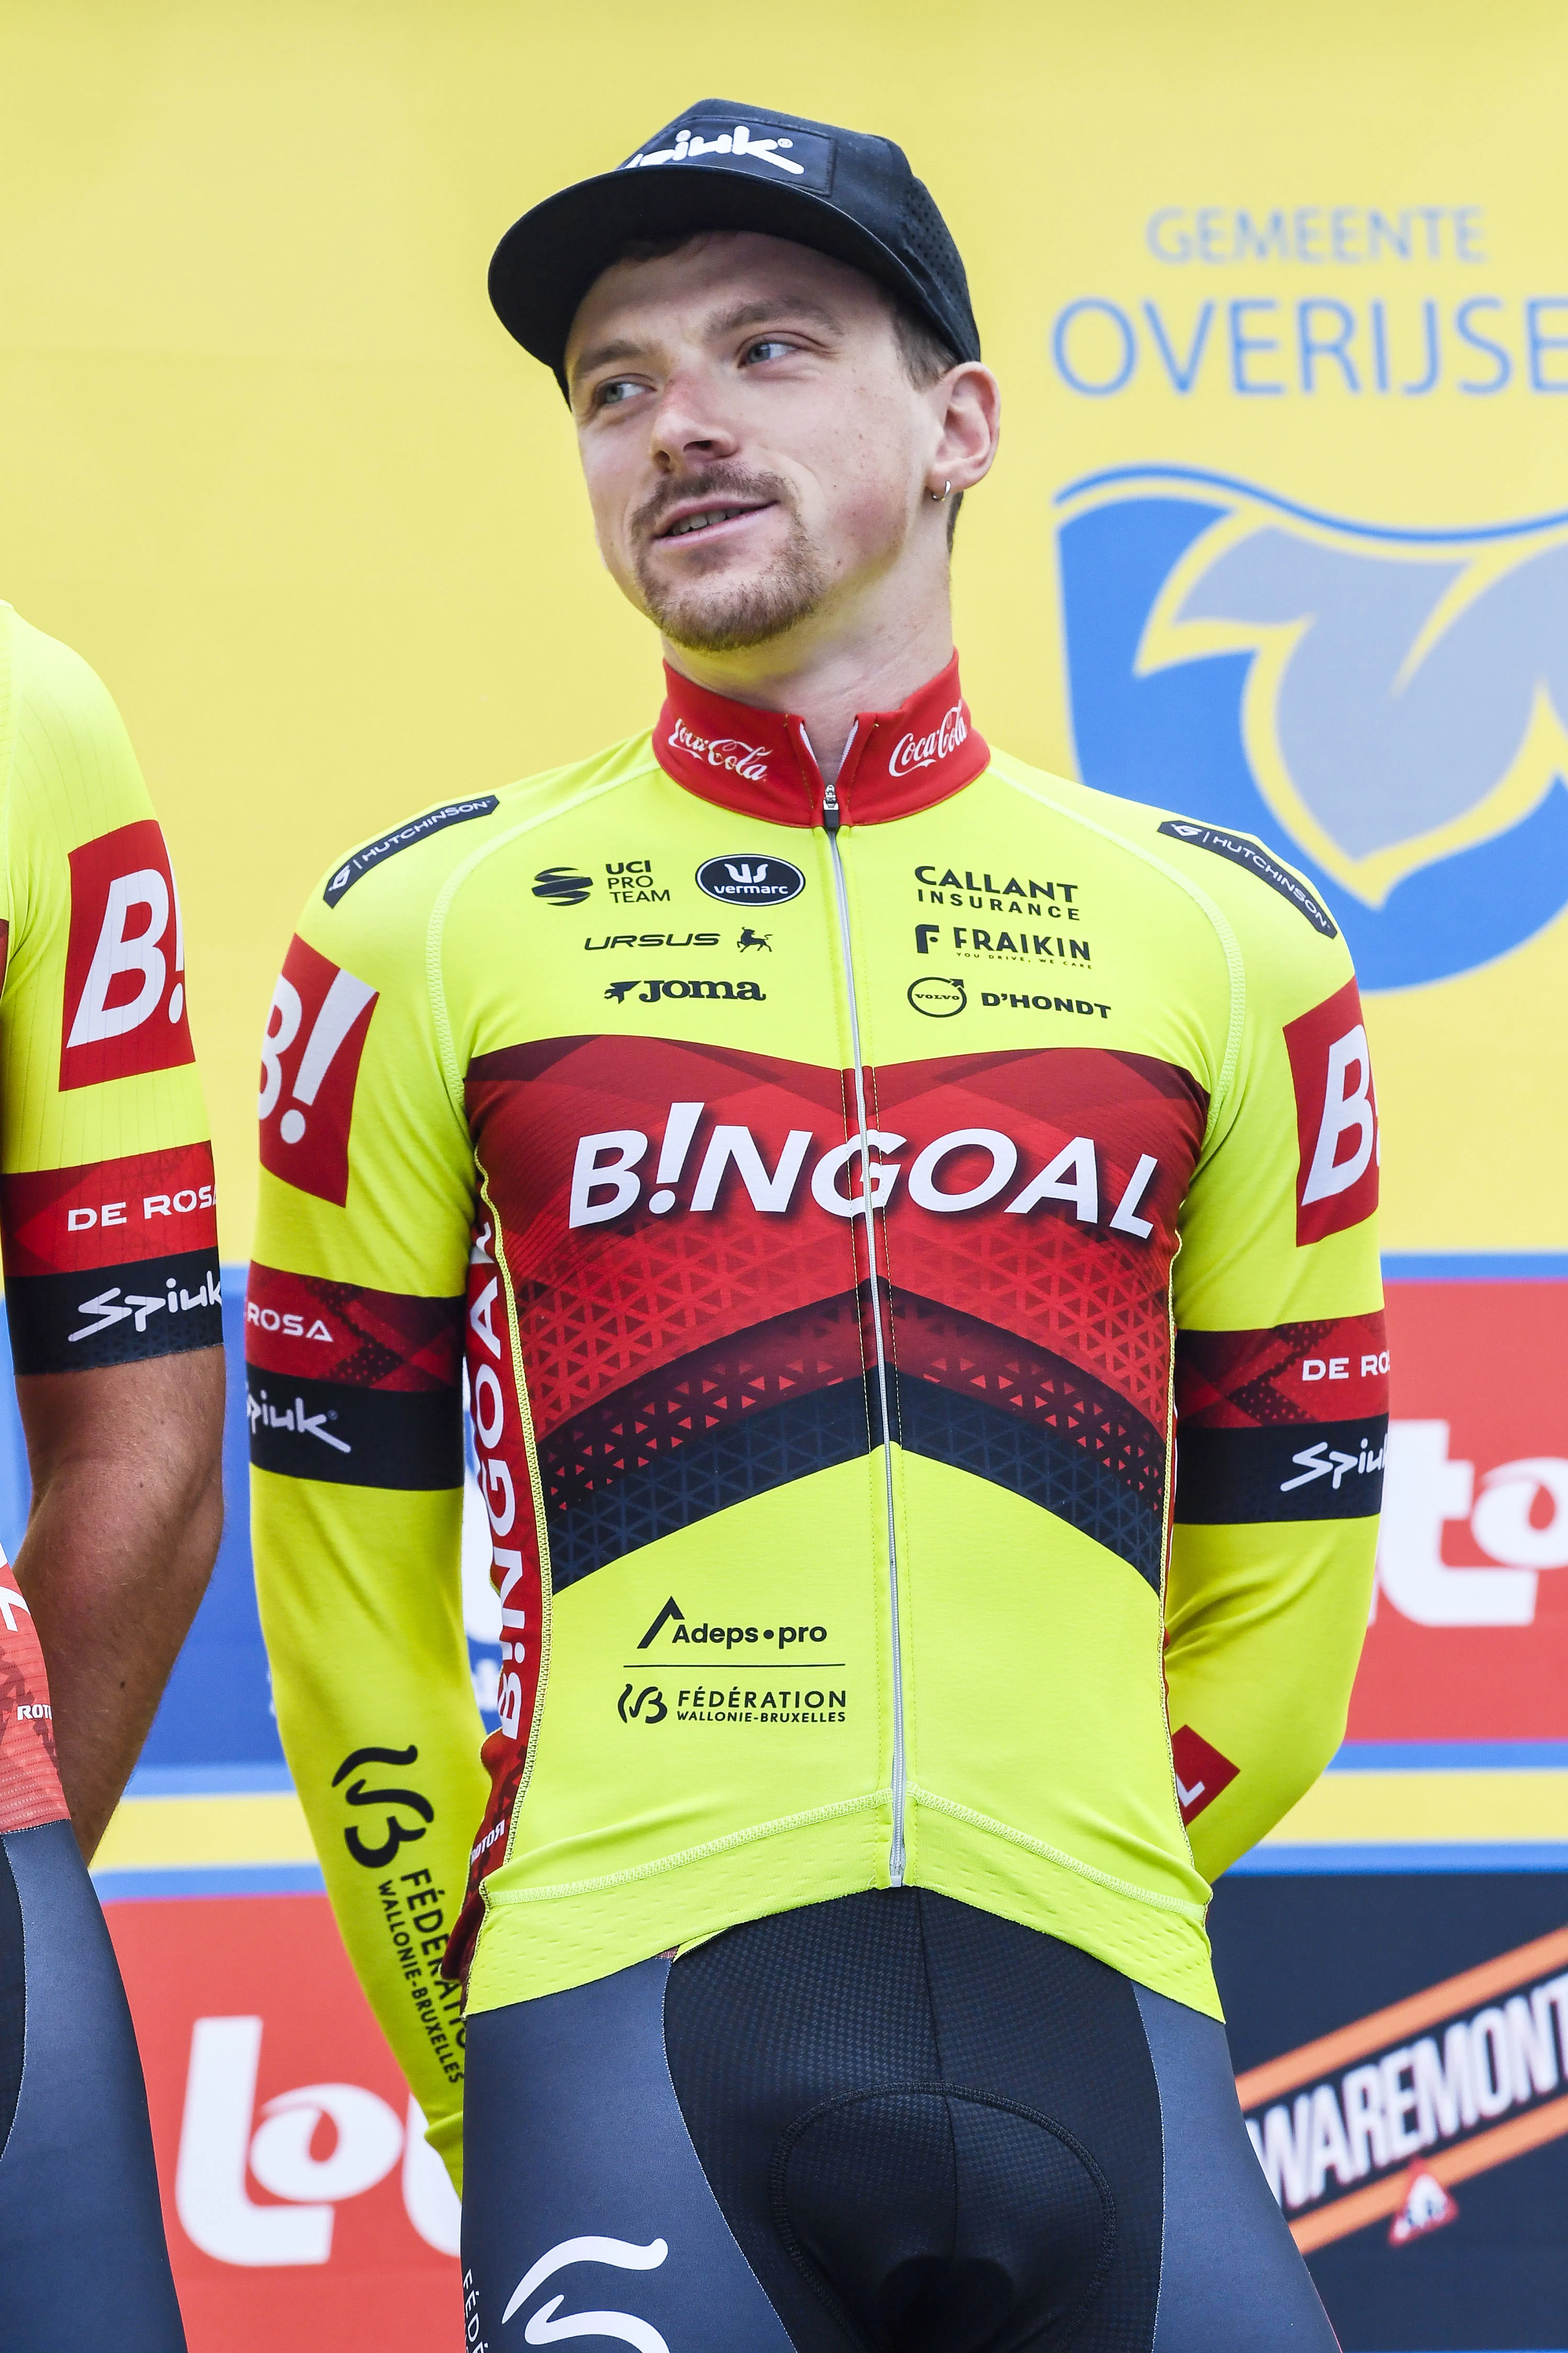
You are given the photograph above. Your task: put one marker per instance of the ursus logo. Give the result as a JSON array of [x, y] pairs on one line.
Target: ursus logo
[[1336, 1117], [125, 958], [316, 1031]]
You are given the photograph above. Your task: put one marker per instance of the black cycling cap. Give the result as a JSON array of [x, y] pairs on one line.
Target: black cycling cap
[[723, 165]]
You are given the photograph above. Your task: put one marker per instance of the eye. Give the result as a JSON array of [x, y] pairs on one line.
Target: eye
[[616, 393], [766, 347]]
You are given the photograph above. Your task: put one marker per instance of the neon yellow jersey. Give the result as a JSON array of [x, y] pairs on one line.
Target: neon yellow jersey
[[106, 1174], [835, 1547]]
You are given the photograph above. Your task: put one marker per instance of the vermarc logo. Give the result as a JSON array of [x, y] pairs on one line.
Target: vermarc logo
[[751, 880]]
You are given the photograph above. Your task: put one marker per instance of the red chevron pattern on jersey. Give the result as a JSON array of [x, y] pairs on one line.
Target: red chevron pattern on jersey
[[790, 1357], [656, 1197], [1071, 1285], [770, 1362], [305, 1328], [147, 1204], [1324, 1371]]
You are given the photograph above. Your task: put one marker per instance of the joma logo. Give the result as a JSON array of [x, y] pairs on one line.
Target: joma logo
[[728, 991]]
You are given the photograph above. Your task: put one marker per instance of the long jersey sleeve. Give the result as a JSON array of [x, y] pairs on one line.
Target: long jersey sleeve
[[1281, 1396], [354, 1325], [106, 1176]]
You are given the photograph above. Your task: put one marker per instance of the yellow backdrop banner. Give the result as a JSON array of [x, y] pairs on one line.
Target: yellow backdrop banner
[[1280, 310]]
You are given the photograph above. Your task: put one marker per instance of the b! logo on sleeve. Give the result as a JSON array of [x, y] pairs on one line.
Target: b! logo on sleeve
[[125, 986], [310, 1053], [1336, 1117]]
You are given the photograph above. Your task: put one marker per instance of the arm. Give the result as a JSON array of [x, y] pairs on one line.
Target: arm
[[122, 1536], [1281, 1401], [106, 1215], [354, 1328]]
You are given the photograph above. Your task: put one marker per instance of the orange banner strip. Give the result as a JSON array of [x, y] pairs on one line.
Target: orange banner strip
[[1401, 2020], [1478, 2156]]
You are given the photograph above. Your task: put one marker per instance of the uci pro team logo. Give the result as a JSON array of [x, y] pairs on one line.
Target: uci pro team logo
[[1388, 708]]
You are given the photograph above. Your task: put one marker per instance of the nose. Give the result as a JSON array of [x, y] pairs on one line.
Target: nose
[[688, 428]]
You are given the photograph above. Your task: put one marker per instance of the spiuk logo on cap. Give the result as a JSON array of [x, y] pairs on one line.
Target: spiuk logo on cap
[[798, 154]]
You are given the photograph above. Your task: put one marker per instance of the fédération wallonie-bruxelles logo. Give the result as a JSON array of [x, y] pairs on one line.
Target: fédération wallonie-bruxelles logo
[[1388, 708]]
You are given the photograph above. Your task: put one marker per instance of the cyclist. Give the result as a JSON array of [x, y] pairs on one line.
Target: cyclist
[[877, 1700], [112, 1294]]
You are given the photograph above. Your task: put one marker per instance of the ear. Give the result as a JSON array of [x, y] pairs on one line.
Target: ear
[[970, 421]]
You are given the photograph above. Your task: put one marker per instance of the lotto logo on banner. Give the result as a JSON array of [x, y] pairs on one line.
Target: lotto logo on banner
[[1470, 1632], [125, 961], [302, 2202], [315, 1035], [1336, 1116]]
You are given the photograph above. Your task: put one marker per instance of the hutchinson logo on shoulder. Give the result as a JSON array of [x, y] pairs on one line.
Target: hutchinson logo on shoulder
[[405, 836], [751, 882]]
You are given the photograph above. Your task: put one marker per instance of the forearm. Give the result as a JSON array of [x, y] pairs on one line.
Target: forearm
[[126, 1514], [359, 1598], [1265, 1628]]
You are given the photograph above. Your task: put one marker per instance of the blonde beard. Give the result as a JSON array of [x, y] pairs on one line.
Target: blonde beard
[[720, 617]]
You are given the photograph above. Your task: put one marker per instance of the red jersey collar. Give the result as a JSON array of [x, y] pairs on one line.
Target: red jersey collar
[[760, 763]]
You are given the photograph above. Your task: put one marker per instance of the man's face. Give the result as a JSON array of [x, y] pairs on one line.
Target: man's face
[[753, 447]]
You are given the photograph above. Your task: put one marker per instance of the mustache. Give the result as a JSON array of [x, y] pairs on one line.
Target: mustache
[[725, 485]]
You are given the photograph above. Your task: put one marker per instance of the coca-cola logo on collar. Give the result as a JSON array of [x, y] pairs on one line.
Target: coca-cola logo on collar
[[742, 759], [911, 752], [763, 764]]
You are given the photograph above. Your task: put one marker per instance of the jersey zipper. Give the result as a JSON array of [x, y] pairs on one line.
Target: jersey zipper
[[830, 818]]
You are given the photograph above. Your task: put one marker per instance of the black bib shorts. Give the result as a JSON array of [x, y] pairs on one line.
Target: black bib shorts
[[889, 2124]]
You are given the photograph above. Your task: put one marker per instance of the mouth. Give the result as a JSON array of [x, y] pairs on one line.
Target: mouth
[[701, 521]]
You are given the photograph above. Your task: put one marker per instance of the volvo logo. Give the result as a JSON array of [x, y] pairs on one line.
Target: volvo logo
[[940, 998]]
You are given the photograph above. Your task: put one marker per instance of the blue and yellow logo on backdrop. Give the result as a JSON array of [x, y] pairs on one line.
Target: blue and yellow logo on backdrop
[[1387, 708]]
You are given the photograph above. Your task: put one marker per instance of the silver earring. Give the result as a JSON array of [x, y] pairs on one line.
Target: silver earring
[[939, 499]]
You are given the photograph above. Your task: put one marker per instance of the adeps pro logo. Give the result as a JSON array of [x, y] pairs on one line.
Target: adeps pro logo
[[1386, 708]]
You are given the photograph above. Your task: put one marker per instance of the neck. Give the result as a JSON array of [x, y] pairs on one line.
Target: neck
[[826, 673]]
